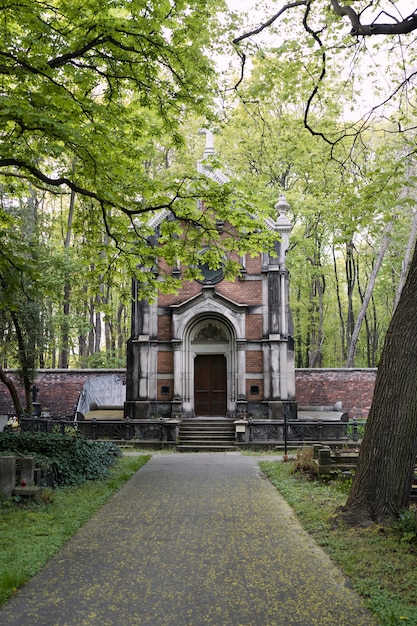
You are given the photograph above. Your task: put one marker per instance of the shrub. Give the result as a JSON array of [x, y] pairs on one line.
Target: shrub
[[72, 458], [406, 526], [304, 464]]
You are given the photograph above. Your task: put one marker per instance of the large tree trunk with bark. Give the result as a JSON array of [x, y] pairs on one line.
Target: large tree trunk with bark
[[382, 483]]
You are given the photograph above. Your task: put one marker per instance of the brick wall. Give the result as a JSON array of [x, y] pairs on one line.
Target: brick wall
[[164, 328], [59, 389], [254, 326], [187, 291], [242, 291], [165, 362], [323, 387], [254, 361]]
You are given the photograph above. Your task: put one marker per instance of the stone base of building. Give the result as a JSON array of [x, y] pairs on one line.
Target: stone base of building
[[282, 408], [137, 410], [272, 410]]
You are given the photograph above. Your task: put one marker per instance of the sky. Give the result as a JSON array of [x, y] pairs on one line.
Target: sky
[[258, 15]]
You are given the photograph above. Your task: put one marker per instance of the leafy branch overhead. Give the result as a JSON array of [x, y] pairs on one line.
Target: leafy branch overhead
[[95, 100], [318, 30], [94, 85], [393, 26]]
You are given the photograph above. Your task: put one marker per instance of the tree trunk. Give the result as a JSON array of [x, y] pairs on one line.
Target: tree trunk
[[63, 360], [368, 294], [339, 308], [13, 393], [26, 360], [121, 339], [406, 260], [350, 266], [382, 483], [316, 321]]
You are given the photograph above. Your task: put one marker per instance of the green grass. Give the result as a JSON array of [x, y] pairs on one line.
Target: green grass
[[380, 564], [30, 534]]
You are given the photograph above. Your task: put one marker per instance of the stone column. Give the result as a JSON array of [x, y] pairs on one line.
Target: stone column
[[178, 371], [241, 404]]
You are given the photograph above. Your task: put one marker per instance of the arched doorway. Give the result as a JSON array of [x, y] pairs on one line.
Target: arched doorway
[[210, 385], [207, 326]]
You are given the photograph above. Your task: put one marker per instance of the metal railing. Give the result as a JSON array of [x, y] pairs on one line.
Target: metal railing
[[159, 430], [308, 431], [115, 430]]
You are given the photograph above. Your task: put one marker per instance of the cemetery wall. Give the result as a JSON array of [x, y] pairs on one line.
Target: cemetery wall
[[58, 390]]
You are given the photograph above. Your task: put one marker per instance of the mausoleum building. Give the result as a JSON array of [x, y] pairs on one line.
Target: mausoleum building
[[217, 348]]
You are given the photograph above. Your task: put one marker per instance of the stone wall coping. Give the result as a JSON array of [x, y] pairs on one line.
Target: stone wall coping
[[336, 369], [123, 370]]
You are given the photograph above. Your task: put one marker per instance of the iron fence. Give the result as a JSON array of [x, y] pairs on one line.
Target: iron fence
[[115, 430], [162, 431], [308, 431]]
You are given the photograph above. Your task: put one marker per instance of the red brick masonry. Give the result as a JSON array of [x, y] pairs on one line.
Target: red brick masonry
[[58, 390]]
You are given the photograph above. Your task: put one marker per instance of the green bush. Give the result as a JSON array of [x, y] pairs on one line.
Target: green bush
[[406, 526], [72, 458]]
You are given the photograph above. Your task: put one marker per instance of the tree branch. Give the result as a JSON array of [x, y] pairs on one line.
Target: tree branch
[[271, 20], [397, 27], [258, 30]]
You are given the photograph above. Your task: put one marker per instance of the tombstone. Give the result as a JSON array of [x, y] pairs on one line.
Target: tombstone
[[27, 471], [7, 475]]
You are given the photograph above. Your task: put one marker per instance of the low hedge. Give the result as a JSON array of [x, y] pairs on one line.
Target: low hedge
[[72, 458]]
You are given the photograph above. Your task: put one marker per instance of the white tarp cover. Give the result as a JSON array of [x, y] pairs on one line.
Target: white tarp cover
[[107, 390]]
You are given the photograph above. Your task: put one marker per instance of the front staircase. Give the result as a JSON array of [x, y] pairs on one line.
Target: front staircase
[[208, 434]]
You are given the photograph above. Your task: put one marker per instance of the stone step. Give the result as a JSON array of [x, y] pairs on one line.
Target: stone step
[[195, 436], [201, 447], [209, 426], [206, 434], [208, 429]]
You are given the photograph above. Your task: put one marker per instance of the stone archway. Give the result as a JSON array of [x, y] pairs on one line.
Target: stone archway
[[208, 324], [210, 366]]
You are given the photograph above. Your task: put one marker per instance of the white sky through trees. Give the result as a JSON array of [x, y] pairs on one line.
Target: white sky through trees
[[376, 59]]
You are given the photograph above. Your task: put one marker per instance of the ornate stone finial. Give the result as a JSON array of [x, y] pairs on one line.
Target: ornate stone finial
[[204, 166], [282, 224], [282, 205]]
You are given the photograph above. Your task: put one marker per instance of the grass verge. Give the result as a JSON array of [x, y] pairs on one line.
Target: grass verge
[[380, 562], [30, 534]]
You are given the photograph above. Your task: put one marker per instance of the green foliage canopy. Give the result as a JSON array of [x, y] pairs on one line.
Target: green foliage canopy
[[95, 98]]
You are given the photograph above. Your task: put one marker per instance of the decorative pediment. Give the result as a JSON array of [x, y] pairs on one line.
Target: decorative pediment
[[211, 333], [208, 305], [217, 301]]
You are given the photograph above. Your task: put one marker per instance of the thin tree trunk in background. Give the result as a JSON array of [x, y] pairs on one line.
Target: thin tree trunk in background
[[91, 343], [97, 327], [63, 359], [350, 266], [109, 339], [121, 339], [317, 318], [26, 360], [369, 290], [339, 308]]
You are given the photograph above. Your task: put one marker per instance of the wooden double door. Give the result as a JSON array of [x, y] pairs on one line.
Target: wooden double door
[[210, 385]]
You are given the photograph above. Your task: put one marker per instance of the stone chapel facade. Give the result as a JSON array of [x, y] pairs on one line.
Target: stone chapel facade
[[217, 348]]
